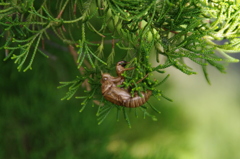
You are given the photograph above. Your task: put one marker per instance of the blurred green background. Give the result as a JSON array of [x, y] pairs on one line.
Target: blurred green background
[[202, 122]]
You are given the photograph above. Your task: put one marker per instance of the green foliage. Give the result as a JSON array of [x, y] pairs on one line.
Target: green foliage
[[167, 31]]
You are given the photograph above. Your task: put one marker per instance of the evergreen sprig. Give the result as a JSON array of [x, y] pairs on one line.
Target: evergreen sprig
[[141, 29]]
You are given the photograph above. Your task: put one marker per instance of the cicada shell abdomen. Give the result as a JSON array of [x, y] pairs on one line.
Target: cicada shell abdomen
[[137, 100]]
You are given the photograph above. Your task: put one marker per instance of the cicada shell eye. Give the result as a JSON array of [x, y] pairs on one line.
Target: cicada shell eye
[[105, 77], [122, 63]]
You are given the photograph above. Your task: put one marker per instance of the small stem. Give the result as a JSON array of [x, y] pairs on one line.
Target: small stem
[[4, 4], [113, 43], [5, 10], [63, 8], [81, 69], [75, 8], [73, 21]]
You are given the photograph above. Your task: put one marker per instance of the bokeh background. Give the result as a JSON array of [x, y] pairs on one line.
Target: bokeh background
[[202, 122]]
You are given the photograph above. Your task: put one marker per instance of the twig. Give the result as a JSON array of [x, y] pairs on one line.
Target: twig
[[81, 69]]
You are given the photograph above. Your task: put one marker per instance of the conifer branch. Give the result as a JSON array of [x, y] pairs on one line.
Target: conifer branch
[[141, 30]]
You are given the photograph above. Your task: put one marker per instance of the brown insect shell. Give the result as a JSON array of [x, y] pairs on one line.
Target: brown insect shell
[[120, 68], [110, 90], [108, 82], [121, 96]]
